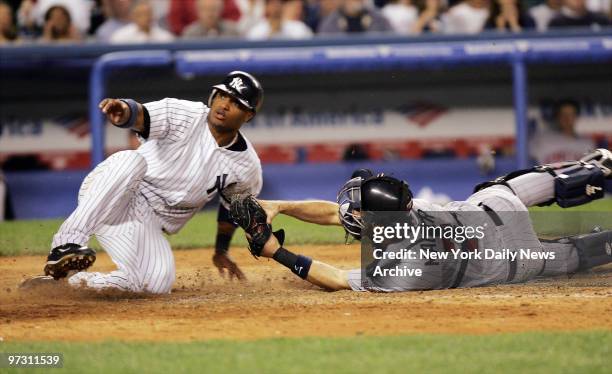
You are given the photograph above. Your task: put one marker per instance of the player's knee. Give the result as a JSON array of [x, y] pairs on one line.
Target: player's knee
[[163, 282]]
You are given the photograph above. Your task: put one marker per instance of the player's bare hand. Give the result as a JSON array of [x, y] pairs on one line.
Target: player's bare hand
[[115, 110], [223, 262], [272, 208]]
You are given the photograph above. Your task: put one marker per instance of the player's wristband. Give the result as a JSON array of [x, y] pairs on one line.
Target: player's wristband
[[298, 264], [222, 243], [133, 105]]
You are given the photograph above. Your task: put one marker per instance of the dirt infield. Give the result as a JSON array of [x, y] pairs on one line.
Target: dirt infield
[[275, 303]]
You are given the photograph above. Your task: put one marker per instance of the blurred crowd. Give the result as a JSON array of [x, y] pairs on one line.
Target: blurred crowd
[[142, 21]]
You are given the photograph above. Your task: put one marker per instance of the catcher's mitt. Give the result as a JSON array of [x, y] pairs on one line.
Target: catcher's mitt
[[248, 214]]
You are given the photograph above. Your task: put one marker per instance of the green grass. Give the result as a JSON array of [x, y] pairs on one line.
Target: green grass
[[584, 352], [34, 237]]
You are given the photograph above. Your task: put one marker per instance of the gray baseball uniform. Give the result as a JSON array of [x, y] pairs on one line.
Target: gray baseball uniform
[[507, 226]]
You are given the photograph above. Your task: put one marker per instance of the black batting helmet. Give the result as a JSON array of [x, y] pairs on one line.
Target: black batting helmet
[[243, 87]]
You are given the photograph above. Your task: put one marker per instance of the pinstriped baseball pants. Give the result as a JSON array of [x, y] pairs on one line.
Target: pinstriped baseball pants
[[111, 208]]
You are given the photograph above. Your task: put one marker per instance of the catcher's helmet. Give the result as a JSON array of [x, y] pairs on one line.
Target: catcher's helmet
[[366, 192], [243, 87], [349, 207], [384, 193]]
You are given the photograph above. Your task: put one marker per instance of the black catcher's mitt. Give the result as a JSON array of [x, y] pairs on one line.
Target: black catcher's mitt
[[248, 214]]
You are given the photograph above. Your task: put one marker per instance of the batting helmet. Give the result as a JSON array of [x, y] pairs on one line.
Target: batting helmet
[[243, 87]]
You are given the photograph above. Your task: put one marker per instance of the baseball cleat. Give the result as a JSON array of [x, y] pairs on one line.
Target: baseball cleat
[[69, 257], [602, 158]]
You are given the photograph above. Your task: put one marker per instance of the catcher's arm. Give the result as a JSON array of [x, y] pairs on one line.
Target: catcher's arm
[[249, 214], [316, 211], [320, 273]]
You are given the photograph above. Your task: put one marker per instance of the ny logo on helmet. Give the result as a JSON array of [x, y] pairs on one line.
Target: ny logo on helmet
[[237, 84]]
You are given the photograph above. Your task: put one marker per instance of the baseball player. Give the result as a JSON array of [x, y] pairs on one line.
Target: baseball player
[[190, 153], [502, 204]]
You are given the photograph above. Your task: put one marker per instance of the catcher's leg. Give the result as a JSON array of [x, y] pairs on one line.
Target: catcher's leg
[[577, 253], [568, 184], [141, 252]]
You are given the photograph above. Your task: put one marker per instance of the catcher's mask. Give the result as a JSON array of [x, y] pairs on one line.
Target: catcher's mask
[[243, 87], [379, 193]]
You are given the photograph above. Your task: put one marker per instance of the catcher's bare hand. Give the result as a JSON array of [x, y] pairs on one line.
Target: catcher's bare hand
[[115, 110], [223, 262]]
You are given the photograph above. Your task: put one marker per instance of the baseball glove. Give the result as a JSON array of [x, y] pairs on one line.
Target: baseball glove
[[246, 212]]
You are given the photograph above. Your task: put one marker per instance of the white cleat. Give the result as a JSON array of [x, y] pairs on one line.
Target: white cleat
[[602, 158]]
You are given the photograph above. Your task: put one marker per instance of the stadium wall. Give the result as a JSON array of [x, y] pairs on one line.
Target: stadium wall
[[399, 113]]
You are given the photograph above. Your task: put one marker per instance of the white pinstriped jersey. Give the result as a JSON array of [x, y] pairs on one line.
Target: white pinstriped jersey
[[185, 166]]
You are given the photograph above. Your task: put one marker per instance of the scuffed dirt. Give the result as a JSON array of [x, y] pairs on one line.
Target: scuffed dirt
[[274, 303]]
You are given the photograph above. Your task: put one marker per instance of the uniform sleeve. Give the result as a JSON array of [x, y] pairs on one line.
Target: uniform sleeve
[[354, 280], [169, 119]]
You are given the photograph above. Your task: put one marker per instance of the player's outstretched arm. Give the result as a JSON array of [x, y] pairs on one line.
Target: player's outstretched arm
[[316, 211], [124, 113], [315, 272], [249, 214]]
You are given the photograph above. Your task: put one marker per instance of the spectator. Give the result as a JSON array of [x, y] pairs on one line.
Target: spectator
[[603, 7], [8, 30], [58, 26], [545, 12], [183, 13], [560, 142], [33, 13], [293, 10], [402, 16], [429, 16], [278, 24], [26, 20], [252, 12], [209, 23], [354, 16], [143, 28], [117, 16], [467, 17], [355, 152], [574, 13], [316, 10], [509, 15]]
